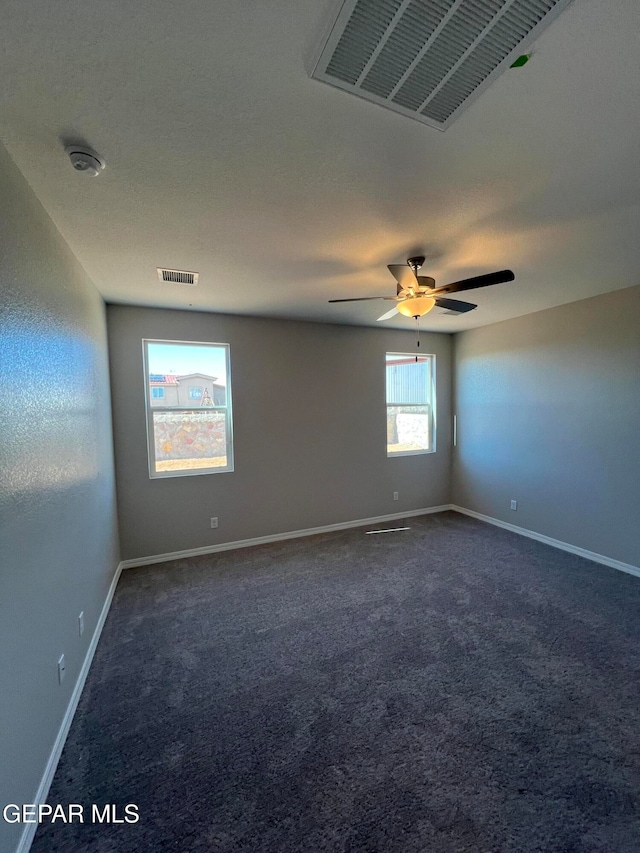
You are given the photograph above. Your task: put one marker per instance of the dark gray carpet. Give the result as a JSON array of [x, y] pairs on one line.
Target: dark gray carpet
[[452, 688]]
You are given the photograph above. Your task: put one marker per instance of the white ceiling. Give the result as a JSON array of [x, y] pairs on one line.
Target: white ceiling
[[223, 157]]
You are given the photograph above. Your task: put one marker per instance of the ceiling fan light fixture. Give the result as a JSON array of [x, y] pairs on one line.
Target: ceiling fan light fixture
[[418, 306], [417, 294]]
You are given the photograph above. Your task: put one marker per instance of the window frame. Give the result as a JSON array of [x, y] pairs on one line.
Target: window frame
[[430, 406], [150, 410]]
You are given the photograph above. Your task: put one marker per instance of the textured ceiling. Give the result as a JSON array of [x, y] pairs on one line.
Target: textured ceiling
[[224, 157]]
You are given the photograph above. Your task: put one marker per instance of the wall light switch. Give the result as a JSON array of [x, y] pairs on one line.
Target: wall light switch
[[514, 504], [214, 522]]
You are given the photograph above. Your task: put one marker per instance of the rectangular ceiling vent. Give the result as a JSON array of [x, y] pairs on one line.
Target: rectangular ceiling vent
[[428, 59], [178, 276]]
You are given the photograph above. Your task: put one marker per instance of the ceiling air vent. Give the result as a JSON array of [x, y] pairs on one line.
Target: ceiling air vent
[[178, 276], [428, 59]]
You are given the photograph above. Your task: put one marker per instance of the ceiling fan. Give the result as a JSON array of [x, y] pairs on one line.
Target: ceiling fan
[[418, 294]]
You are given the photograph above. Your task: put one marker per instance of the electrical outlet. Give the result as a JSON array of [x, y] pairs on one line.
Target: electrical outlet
[[214, 522], [514, 504], [395, 496], [81, 623], [62, 668]]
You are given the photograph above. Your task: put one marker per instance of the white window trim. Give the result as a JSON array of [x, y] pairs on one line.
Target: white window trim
[[431, 407], [149, 410]]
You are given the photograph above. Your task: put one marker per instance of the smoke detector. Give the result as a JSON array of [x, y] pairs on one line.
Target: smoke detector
[[85, 160]]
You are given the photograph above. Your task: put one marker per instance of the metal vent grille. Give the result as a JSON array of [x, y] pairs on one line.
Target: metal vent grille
[[178, 276], [428, 59]]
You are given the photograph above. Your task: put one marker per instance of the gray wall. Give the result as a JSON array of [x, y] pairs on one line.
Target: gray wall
[[309, 425], [548, 410], [57, 500]]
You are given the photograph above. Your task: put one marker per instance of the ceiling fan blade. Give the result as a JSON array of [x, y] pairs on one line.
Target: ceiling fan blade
[[388, 315], [455, 305], [477, 281], [403, 274], [359, 299]]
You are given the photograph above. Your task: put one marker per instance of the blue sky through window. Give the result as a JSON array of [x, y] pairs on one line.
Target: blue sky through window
[[180, 359]]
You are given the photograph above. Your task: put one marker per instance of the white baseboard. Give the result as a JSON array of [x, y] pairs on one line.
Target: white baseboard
[[555, 543], [277, 537], [29, 831]]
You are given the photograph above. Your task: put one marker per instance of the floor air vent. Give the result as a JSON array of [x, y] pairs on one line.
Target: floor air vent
[[428, 59], [178, 276]]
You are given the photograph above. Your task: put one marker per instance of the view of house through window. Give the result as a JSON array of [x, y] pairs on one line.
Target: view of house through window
[[188, 397], [410, 383]]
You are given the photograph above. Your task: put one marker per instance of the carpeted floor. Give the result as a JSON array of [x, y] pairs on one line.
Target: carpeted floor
[[451, 688]]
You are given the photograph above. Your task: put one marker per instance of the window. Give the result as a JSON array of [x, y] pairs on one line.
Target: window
[[189, 427], [410, 382]]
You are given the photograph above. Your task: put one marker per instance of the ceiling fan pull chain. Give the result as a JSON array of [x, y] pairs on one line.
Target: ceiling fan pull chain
[[417, 335]]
